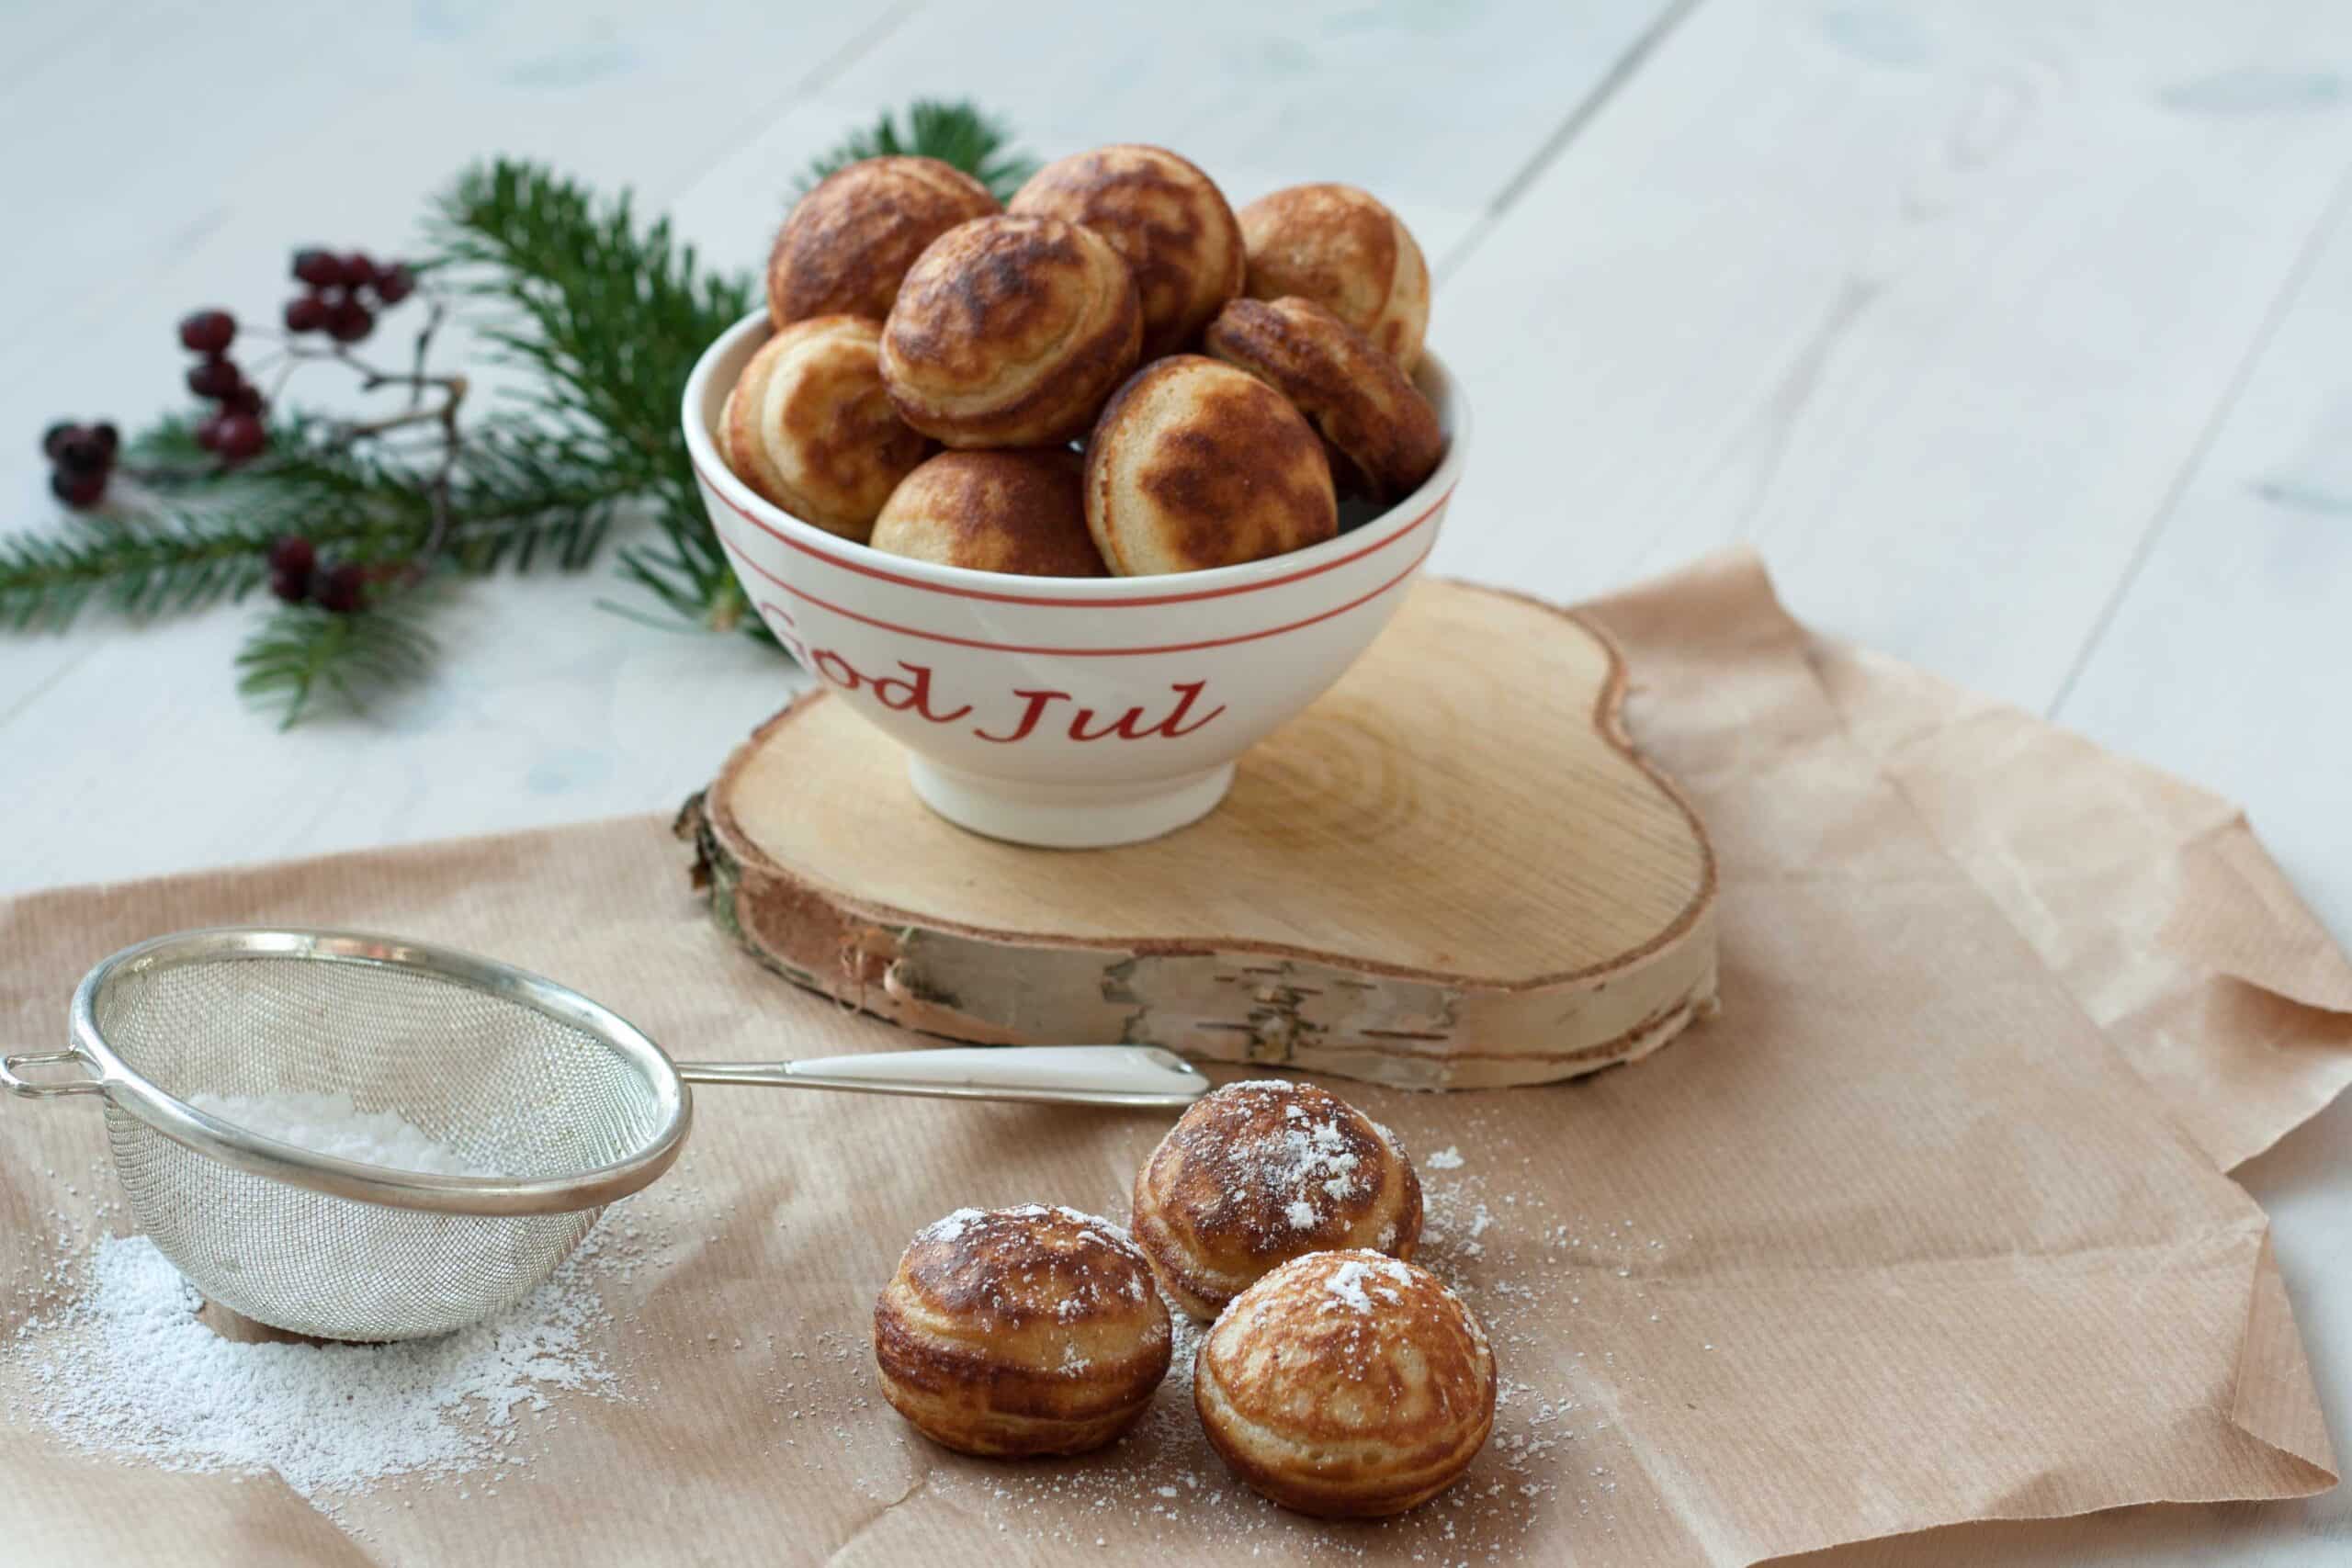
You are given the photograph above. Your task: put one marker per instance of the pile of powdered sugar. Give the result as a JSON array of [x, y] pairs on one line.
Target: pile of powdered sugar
[[126, 1368], [332, 1123], [123, 1366]]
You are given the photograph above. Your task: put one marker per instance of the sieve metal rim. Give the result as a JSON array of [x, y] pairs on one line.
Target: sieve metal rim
[[129, 1091]]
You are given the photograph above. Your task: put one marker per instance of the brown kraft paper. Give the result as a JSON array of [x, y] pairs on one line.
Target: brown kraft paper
[[1929, 1225]]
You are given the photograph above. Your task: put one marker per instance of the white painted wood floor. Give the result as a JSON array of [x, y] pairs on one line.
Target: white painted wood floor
[[2017, 334]]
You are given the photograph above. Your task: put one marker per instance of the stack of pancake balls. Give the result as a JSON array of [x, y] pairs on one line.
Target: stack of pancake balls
[[1115, 373], [1337, 1378]]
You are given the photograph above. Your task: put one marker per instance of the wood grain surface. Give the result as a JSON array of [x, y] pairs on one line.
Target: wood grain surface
[[1452, 871]]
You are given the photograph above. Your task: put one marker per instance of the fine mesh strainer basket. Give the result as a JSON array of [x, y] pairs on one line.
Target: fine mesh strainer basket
[[569, 1103]]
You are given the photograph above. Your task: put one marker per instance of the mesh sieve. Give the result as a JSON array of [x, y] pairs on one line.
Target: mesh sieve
[[567, 1101]]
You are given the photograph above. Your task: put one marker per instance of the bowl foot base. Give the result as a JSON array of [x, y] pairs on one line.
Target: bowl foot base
[[1068, 816]]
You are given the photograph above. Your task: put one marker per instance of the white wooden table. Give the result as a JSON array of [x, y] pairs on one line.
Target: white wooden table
[[2017, 335]]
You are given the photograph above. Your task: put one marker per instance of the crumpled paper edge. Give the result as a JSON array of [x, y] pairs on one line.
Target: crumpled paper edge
[[2228, 911], [2228, 886]]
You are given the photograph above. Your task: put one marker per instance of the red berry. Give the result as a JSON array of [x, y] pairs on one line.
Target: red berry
[[395, 283], [358, 270], [293, 554], [80, 453], [240, 436], [55, 436], [208, 431], [350, 322], [107, 436], [213, 378], [340, 589], [291, 586], [318, 269], [208, 331], [306, 313], [78, 489], [246, 398]]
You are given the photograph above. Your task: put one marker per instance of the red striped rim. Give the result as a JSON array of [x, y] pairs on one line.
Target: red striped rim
[[808, 598], [1069, 603]]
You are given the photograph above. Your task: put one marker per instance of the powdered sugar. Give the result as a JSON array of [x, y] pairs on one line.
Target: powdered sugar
[[118, 1363], [1309, 1152], [954, 1226], [127, 1368], [1354, 1282], [949, 1227], [1109, 1230], [1099, 1270], [1446, 1158], [333, 1125]]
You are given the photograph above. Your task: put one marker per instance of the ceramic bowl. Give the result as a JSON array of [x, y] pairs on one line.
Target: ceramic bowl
[[1066, 711]]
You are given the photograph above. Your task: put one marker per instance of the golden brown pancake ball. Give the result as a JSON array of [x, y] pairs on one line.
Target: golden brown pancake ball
[[1030, 1330], [1019, 509], [1263, 1171], [1010, 332], [1195, 464], [846, 244], [1347, 1385], [1162, 214], [1357, 398], [810, 427], [1343, 249]]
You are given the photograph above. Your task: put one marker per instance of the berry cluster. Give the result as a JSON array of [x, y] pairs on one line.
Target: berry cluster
[[233, 432], [80, 459], [297, 576], [342, 296], [337, 290]]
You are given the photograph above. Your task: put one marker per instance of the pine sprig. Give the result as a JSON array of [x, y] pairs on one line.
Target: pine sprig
[[302, 651], [47, 580], [517, 499], [955, 134], [604, 311], [609, 315]]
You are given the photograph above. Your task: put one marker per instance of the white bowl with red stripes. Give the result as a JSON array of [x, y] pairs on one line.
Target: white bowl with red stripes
[[1061, 711]]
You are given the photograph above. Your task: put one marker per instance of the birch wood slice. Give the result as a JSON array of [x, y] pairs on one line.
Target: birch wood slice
[[1451, 872]]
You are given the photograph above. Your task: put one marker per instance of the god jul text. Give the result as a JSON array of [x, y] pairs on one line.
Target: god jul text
[[912, 692]]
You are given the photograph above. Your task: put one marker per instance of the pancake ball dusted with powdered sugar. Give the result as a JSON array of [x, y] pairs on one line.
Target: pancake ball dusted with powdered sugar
[[1263, 1171], [1347, 1385], [1029, 1330]]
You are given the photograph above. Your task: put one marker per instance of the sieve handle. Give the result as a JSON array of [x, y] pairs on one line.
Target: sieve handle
[[1135, 1075], [46, 1089]]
